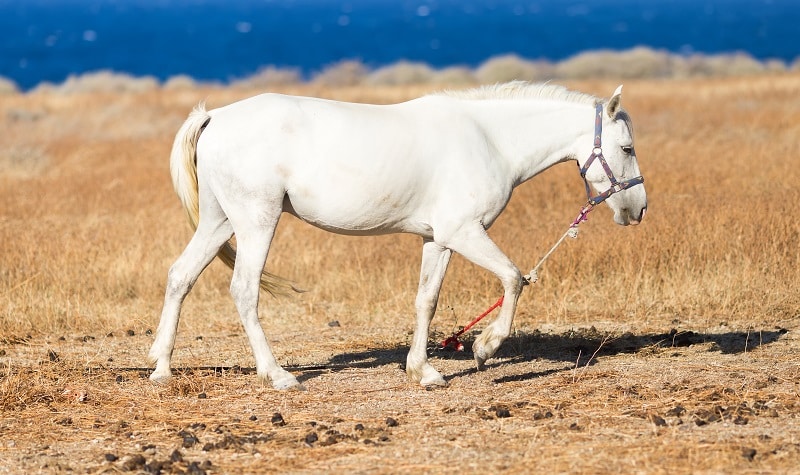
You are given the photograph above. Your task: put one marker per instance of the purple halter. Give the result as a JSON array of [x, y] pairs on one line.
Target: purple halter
[[597, 153]]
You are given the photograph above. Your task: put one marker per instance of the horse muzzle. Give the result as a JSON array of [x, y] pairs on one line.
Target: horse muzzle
[[627, 217]]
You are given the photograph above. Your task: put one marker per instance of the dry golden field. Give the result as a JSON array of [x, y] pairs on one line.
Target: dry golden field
[[666, 348]]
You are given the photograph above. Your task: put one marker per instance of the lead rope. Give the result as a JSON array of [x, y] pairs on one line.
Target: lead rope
[[572, 231]]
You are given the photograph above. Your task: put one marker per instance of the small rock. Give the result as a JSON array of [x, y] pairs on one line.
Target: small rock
[[53, 356], [391, 422], [334, 323], [189, 441], [133, 462], [657, 420], [539, 415], [253, 418], [359, 427], [311, 438], [130, 333], [202, 396], [110, 457], [176, 456], [749, 453], [277, 420], [503, 412]]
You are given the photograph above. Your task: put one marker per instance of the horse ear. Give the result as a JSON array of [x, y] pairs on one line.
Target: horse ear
[[613, 104]]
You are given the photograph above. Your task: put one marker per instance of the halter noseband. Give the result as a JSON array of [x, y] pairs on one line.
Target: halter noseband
[[597, 153]]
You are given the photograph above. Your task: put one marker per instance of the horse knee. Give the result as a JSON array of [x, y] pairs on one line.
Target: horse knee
[[512, 280]]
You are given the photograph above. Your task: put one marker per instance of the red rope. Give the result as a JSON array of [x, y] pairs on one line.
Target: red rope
[[453, 339]]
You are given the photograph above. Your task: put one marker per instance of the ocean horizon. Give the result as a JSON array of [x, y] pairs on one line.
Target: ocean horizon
[[218, 40]]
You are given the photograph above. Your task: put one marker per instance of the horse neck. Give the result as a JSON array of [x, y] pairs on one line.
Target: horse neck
[[533, 135]]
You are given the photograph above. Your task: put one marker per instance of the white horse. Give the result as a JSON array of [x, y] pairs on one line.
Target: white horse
[[442, 166]]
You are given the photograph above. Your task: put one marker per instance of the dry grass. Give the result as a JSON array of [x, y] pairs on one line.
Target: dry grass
[[89, 226]]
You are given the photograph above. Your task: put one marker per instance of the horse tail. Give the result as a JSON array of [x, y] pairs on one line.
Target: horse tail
[[183, 162], [183, 168]]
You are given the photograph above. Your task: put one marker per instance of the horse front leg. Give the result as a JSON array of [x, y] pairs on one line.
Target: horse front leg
[[432, 270], [474, 243]]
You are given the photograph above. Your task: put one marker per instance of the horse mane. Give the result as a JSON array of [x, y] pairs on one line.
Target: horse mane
[[522, 90]]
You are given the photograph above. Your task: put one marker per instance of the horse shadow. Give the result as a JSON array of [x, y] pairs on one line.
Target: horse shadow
[[578, 347]]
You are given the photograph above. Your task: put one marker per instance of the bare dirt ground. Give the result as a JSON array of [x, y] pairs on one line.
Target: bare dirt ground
[[578, 400]]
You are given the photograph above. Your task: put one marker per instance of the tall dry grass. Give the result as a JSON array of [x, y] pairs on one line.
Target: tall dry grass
[[89, 224]]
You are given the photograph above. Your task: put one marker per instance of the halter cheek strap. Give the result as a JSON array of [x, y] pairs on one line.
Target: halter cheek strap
[[597, 154]]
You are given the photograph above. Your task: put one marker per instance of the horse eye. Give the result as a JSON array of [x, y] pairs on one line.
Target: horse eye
[[627, 149]]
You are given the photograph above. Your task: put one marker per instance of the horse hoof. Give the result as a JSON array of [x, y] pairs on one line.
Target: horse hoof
[[289, 383], [160, 377], [433, 381]]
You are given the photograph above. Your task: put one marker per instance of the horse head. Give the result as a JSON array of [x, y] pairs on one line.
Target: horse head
[[612, 168]]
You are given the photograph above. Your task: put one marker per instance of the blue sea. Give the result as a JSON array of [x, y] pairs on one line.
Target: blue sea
[[221, 40]]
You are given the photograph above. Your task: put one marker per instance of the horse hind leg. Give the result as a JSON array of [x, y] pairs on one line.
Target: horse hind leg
[[212, 232], [252, 246], [434, 265]]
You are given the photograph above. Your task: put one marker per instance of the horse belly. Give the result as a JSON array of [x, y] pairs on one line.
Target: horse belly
[[352, 209]]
